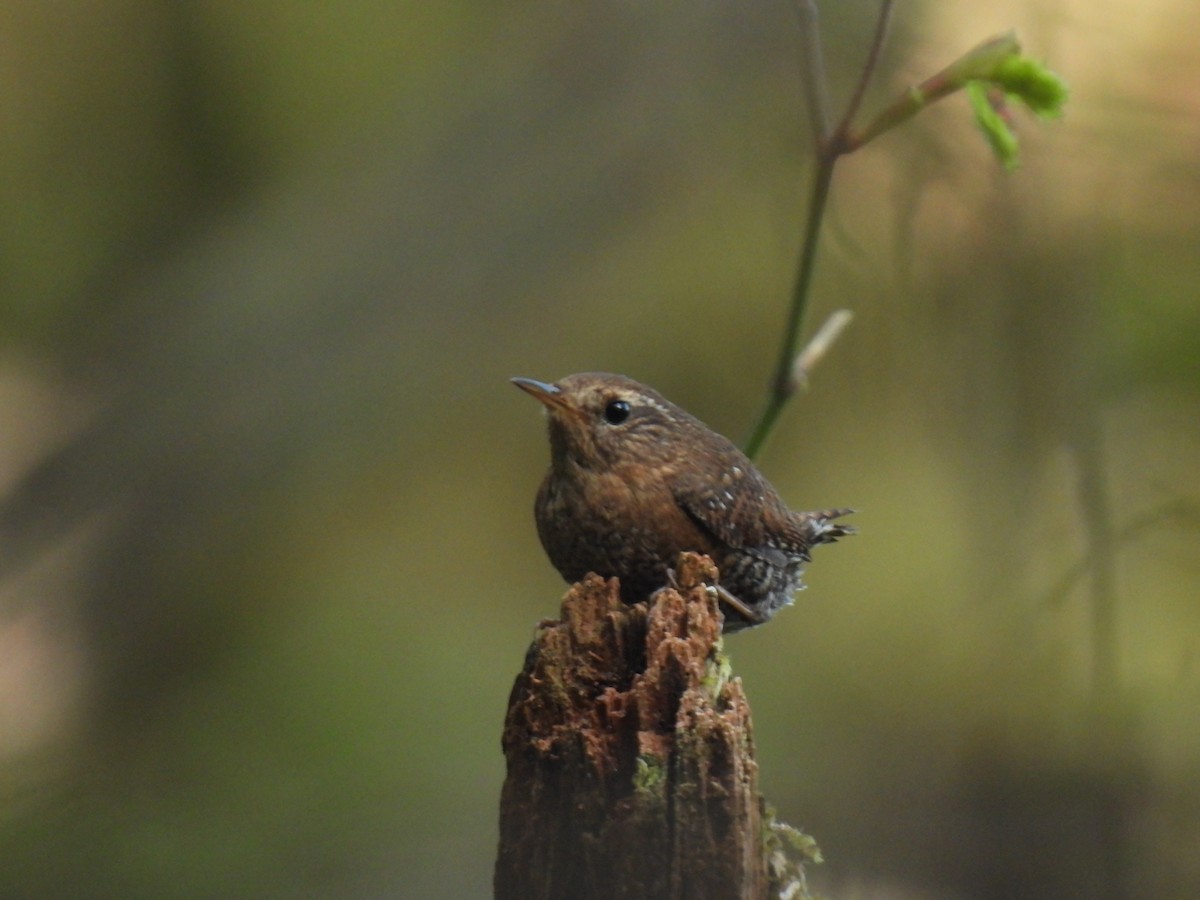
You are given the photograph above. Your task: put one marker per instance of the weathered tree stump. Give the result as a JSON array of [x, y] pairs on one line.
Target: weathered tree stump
[[631, 767]]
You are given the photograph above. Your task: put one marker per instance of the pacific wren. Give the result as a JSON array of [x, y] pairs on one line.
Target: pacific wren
[[634, 480]]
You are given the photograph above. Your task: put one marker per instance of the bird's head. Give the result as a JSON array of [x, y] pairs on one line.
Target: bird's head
[[598, 421]]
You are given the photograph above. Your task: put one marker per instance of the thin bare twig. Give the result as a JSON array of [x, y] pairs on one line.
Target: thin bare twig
[[830, 146], [816, 88], [783, 385], [942, 84], [860, 90]]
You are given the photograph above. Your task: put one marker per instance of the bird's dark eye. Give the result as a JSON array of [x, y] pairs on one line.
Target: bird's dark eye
[[616, 412]]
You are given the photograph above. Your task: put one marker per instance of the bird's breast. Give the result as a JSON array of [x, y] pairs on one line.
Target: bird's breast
[[615, 522]]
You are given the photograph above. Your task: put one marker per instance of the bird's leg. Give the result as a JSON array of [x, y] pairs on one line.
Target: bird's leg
[[751, 615], [747, 612], [672, 581]]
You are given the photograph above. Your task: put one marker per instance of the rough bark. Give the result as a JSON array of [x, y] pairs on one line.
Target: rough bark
[[631, 767]]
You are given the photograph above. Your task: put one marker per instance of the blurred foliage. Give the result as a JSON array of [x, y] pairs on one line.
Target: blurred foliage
[[268, 555]]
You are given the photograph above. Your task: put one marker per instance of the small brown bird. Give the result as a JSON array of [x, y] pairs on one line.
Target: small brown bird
[[634, 480]]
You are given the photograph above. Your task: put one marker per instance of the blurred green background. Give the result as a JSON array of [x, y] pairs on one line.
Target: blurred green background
[[267, 549]]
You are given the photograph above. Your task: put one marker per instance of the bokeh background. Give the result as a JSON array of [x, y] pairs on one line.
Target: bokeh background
[[266, 541]]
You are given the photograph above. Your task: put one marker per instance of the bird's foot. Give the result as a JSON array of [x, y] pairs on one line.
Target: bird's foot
[[750, 614]]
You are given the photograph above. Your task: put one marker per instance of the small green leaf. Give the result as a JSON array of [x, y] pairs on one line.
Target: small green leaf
[[988, 105], [1027, 80], [1010, 80]]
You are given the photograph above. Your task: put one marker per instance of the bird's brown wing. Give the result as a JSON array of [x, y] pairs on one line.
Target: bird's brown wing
[[740, 509], [731, 503]]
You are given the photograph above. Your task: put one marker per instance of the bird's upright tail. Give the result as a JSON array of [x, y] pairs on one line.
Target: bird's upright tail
[[821, 527]]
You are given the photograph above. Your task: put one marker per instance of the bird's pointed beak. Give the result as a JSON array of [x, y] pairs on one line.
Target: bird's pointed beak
[[548, 395]]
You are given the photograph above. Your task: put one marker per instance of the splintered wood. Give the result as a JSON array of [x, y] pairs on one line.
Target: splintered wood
[[630, 756]]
